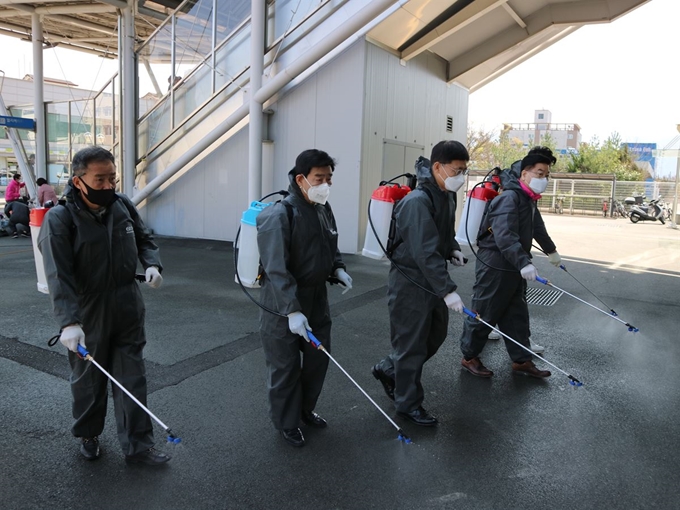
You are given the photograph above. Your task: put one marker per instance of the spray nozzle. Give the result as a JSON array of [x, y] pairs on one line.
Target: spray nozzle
[[574, 382], [404, 438]]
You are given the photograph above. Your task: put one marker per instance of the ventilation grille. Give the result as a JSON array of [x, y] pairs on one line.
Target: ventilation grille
[[542, 297], [449, 124]]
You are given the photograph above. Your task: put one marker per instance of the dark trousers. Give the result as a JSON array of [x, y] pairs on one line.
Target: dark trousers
[[500, 299], [296, 369], [418, 327], [119, 352]]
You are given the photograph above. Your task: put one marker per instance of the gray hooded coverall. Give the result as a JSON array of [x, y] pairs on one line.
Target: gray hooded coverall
[[419, 319], [499, 296], [298, 255], [90, 264]]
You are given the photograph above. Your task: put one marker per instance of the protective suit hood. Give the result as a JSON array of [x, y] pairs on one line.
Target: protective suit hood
[[293, 187], [510, 176], [424, 171]]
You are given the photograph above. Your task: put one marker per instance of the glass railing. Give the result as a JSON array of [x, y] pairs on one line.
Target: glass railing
[[217, 71]]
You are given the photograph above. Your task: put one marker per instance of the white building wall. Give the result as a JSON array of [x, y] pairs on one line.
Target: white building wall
[[406, 104], [347, 108], [323, 112]]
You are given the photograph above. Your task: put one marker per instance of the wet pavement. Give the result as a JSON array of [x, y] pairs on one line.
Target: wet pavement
[[505, 443]]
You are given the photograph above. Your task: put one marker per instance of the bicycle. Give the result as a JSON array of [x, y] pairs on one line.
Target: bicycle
[[618, 209], [559, 205]]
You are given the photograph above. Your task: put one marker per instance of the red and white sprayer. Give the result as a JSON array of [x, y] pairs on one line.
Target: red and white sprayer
[[476, 202], [380, 209]]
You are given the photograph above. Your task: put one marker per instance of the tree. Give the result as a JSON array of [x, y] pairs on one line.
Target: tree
[[609, 157]]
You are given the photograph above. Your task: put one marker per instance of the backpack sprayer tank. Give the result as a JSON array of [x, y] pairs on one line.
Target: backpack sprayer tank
[[380, 212], [248, 254], [476, 204]]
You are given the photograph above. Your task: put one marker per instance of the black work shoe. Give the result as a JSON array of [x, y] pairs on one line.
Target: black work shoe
[[528, 368], [420, 417], [313, 420], [149, 457], [386, 381], [293, 437], [89, 447]]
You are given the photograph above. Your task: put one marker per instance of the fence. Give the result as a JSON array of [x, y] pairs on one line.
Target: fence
[[586, 196]]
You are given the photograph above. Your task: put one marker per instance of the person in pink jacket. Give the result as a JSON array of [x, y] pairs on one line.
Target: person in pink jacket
[[13, 191], [46, 192]]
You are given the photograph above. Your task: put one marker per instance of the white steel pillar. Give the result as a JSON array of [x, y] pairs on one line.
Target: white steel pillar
[[256, 120], [40, 165], [128, 97]]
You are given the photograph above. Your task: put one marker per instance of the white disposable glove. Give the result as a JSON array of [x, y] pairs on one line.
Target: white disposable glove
[[555, 259], [153, 277], [297, 323], [457, 258], [71, 336], [345, 279], [529, 273], [454, 302]]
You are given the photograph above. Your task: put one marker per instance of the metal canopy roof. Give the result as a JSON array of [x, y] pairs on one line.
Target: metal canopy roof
[[482, 39], [88, 26]]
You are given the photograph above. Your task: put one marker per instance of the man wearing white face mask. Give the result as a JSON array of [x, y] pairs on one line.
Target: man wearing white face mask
[[425, 240], [298, 243], [504, 264]]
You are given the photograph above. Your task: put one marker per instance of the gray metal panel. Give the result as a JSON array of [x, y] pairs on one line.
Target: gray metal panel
[[393, 160], [326, 112]]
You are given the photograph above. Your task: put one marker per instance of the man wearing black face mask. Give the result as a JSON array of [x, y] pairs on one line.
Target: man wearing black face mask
[[90, 248]]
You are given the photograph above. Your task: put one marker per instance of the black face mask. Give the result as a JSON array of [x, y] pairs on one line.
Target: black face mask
[[101, 197]]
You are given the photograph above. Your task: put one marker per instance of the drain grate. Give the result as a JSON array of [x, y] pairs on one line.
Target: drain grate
[[543, 297]]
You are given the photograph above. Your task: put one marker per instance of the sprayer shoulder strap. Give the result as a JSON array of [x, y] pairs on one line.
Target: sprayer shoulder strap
[[393, 243], [488, 230]]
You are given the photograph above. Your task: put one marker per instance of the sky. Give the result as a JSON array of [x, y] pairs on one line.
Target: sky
[[613, 77]]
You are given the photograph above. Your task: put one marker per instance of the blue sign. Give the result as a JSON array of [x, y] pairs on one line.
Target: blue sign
[[17, 122], [643, 152]]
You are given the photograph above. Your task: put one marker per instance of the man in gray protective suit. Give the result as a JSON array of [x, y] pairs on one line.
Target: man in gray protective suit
[[298, 243], [504, 264], [419, 300], [90, 248]]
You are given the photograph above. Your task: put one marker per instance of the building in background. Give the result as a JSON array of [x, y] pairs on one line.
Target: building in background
[[643, 156], [567, 137], [18, 96]]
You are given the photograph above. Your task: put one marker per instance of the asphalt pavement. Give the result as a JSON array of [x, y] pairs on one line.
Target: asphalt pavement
[[506, 443]]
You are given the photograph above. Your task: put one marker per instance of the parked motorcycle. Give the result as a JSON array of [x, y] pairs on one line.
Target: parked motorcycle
[[645, 212]]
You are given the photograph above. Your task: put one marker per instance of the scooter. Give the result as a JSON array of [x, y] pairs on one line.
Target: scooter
[[647, 212]]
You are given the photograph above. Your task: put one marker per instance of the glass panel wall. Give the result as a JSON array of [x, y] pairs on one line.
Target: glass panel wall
[[58, 143]]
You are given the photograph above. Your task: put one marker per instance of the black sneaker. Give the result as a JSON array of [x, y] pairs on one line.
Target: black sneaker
[[15, 236], [89, 447], [25, 234]]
